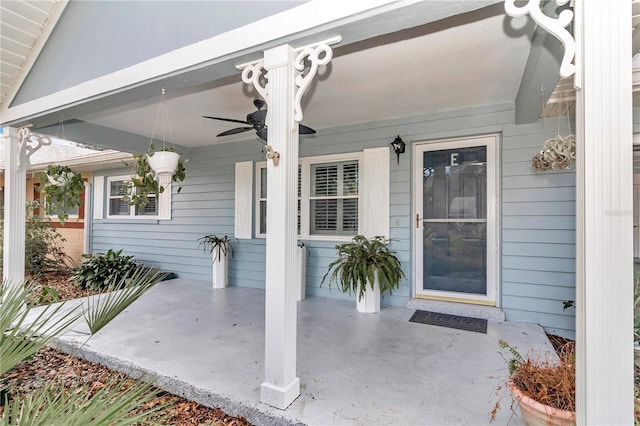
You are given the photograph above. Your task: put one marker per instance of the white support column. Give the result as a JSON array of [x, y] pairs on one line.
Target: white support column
[[281, 386], [289, 73], [86, 231], [15, 191], [604, 287]]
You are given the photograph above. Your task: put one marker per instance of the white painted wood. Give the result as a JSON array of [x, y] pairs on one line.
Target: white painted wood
[[164, 199], [493, 273], [636, 221], [220, 264], [86, 237], [301, 273], [15, 181], [299, 19], [370, 302], [281, 385], [243, 204], [98, 197], [374, 198], [604, 171]]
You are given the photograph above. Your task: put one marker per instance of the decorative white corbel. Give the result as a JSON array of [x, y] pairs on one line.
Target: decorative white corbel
[[317, 54], [555, 26], [251, 73], [30, 142]]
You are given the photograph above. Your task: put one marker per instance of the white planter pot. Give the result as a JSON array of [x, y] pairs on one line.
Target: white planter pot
[[163, 162], [370, 302], [220, 269], [301, 272]]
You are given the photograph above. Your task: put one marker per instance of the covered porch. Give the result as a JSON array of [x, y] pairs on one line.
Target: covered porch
[[208, 345]]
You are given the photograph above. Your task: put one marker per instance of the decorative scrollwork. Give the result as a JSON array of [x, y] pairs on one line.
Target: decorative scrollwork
[[557, 153], [251, 74], [273, 155], [556, 26], [30, 142], [319, 54]]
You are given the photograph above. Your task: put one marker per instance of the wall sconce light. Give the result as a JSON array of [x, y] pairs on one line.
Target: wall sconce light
[[398, 147]]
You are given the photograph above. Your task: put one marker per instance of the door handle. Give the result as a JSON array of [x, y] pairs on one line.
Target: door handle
[[418, 220]]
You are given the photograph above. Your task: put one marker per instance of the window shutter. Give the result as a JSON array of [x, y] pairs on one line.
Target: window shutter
[[374, 197], [243, 199], [163, 200], [98, 197]]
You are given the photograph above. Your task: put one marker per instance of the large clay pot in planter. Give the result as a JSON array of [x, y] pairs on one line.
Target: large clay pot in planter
[[163, 162], [537, 414]]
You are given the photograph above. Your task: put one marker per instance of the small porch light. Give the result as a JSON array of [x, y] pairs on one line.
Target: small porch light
[[398, 146]]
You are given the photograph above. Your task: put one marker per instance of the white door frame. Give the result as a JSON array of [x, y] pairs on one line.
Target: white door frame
[[491, 142]]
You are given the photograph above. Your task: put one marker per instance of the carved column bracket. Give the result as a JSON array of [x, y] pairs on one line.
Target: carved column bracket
[[555, 26], [29, 142]]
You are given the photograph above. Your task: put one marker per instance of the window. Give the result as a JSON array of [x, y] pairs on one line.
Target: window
[[333, 198], [328, 197], [117, 207]]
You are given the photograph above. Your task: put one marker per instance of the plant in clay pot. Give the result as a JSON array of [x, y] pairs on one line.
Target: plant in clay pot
[[544, 389]]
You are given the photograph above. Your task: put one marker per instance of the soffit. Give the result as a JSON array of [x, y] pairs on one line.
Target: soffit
[[25, 26]]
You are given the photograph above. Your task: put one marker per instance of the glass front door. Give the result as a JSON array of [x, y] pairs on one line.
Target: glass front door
[[455, 211]]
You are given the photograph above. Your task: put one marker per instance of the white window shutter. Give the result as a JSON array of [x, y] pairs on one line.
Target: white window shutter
[[243, 199], [164, 199], [374, 197], [98, 197]]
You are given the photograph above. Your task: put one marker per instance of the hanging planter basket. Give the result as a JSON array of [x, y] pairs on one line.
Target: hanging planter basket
[[163, 162]]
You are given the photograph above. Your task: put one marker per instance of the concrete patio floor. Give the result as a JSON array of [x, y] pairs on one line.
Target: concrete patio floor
[[355, 369]]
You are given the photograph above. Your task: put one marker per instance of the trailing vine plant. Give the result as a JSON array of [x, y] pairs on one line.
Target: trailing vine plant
[[61, 190]]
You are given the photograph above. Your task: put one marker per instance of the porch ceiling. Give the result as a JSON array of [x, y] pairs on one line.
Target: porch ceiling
[[472, 59]]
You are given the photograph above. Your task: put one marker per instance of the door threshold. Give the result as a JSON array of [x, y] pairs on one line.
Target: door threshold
[[457, 308]]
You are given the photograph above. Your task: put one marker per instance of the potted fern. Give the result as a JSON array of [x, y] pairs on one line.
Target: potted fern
[[219, 248], [366, 267]]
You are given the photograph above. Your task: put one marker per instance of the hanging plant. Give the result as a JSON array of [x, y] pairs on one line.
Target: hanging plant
[[557, 153], [144, 181], [154, 163], [61, 190]]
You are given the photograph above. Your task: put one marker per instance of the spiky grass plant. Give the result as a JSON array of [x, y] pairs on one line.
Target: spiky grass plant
[[104, 307], [58, 404], [25, 331], [360, 261]]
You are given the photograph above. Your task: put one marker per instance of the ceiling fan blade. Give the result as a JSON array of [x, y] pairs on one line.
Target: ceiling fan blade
[[235, 131], [262, 133], [231, 120], [304, 130]]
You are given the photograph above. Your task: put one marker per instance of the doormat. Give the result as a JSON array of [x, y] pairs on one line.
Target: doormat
[[478, 325]]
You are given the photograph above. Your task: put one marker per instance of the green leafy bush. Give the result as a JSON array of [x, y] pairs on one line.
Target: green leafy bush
[[44, 250], [101, 271]]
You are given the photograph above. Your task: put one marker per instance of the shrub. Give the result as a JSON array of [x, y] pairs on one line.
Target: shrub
[[101, 271], [44, 251]]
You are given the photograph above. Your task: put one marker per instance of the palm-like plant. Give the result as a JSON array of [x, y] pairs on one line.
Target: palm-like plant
[[25, 330], [360, 261]]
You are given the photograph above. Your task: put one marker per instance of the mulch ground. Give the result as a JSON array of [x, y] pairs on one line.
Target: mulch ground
[[49, 365]]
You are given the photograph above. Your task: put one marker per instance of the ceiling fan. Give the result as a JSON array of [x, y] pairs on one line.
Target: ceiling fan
[[255, 121]]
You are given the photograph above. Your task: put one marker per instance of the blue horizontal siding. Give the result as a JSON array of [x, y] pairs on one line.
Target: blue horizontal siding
[[537, 231]]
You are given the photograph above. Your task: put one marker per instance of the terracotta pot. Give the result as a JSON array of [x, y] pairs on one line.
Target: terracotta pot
[[537, 414], [163, 162]]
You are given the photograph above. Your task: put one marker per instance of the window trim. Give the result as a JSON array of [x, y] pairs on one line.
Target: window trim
[[163, 198], [305, 165]]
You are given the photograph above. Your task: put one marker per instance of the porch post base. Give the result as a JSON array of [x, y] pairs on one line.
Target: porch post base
[[280, 396]]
